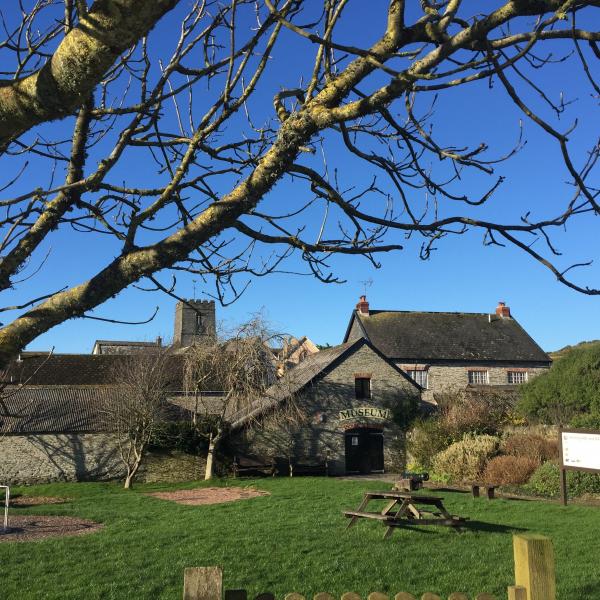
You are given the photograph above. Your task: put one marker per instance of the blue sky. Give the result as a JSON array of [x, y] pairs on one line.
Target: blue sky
[[462, 275]]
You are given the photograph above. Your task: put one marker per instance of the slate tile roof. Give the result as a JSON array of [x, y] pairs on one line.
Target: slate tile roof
[[66, 409], [78, 369], [423, 336]]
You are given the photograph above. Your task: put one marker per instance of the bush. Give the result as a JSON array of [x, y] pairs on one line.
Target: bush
[[466, 460], [545, 481], [480, 411], [510, 470], [425, 440], [532, 446], [569, 390]]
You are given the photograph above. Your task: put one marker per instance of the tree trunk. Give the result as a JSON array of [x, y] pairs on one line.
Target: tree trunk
[[213, 441], [132, 471]]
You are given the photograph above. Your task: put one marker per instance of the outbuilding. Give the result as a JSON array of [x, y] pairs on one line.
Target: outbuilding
[[343, 406]]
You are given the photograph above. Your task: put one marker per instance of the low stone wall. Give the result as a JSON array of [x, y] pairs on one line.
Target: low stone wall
[[58, 457], [171, 466], [85, 457]]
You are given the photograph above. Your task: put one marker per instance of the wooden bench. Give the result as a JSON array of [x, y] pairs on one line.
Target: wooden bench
[[249, 468], [311, 469], [490, 489]]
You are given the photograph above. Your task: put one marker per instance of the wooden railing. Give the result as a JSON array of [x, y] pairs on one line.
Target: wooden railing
[[534, 579]]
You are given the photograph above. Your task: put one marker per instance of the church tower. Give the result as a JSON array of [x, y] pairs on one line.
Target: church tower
[[195, 322]]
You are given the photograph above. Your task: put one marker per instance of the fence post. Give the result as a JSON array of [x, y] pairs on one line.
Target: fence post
[[202, 583], [534, 566], [516, 592]]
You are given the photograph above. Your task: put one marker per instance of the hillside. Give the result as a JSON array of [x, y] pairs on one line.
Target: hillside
[[556, 354]]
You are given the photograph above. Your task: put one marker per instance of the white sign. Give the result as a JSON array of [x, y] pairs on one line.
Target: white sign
[[581, 450]]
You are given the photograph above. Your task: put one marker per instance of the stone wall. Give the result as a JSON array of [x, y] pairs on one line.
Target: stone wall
[[85, 457], [58, 457], [322, 434], [448, 377]]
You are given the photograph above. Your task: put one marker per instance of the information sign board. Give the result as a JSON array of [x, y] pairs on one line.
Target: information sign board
[[579, 451]]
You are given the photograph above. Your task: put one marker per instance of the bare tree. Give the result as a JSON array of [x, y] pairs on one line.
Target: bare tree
[[225, 377], [195, 110], [143, 381]]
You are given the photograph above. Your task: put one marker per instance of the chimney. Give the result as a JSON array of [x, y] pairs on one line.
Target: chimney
[[502, 310], [363, 306]]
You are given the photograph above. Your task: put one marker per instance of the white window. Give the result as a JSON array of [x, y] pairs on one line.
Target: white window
[[420, 376], [479, 377], [516, 377]]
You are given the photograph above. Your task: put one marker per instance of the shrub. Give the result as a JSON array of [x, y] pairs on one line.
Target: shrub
[[545, 481], [475, 411], [532, 446], [568, 391], [510, 470], [425, 440], [466, 460]]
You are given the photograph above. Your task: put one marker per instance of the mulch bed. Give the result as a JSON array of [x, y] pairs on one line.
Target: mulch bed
[[212, 495], [24, 501], [25, 528]]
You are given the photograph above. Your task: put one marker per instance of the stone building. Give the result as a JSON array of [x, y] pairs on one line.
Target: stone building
[[448, 351], [347, 403]]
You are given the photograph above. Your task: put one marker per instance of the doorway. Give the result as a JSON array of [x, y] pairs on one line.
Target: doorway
[[364, 450]]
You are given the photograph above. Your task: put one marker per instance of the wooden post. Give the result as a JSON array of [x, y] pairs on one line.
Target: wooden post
[[534, 566], [202, 583], [516, 592], [563, 485]]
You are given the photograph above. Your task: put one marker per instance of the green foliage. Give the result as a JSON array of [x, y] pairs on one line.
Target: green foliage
[[460, 413], [405, 409], [569, 393], [545, 481], [466, 460], [182, 436], [427, 438]]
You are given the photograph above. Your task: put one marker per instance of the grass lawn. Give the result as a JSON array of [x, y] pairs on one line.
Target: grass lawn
[[292, 540]]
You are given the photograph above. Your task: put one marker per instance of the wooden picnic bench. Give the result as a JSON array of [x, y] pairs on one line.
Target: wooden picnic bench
[[405, 509], [490, 489]]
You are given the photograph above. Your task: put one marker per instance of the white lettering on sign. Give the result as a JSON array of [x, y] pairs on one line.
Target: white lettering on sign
[[365, 411], [581, 450]]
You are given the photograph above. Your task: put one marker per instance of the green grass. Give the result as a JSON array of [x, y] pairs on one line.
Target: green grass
[[292, 540]]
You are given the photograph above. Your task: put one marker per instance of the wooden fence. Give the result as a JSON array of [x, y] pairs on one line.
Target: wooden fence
[[534, 579]]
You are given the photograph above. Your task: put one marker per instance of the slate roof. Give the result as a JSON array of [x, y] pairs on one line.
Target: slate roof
[[294, 380], [424, 336], [77, 369], [64, 409]]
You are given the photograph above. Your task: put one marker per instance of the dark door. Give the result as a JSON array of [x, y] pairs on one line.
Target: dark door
[[364, 451]]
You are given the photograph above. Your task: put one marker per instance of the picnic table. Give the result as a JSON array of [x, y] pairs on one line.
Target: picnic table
[[405, 509]]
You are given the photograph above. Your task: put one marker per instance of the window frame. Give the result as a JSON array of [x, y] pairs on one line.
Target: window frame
[[424, 375], [359, 389], [473, 374], [520, 374]]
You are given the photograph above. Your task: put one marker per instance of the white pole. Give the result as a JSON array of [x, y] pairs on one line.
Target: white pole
[[6, 503]]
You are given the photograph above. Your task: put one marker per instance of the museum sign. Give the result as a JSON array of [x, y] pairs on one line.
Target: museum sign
[[368, 412]]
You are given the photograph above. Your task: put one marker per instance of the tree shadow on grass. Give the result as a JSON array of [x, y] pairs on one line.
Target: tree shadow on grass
[[492, 527]]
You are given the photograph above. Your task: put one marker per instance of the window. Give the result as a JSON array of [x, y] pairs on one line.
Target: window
[[199, 324], [479, 377], [516, 377], [420, 376], [362, 386]]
